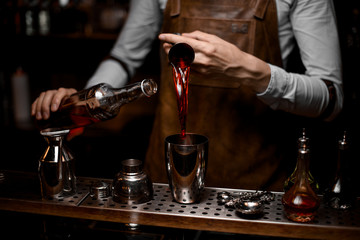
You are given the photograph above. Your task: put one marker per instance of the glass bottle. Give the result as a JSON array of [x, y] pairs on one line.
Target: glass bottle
[[341, 194], [289, 182], [300, 201], [98, 103]]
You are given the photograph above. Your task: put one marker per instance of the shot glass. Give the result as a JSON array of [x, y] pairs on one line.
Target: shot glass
[[186, 163]]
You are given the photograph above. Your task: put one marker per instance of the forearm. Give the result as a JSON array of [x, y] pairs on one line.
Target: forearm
[[251, 71], [300, 94], [133, 44], [313, 28], [111, 72]]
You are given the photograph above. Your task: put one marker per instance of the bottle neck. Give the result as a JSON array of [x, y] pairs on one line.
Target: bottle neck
[[131, 92], [302, 164], [343, 158]]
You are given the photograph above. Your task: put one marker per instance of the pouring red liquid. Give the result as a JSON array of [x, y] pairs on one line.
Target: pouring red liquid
[[181, 55]]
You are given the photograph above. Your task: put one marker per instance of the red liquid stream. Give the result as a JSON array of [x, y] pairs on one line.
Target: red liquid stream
[[181, 80]]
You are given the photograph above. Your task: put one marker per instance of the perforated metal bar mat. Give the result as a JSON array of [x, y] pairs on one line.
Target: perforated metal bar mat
[[82, 191], [208, 208], [20, 192]]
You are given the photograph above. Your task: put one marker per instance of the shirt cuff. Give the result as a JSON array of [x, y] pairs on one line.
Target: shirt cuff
[[276, 88]]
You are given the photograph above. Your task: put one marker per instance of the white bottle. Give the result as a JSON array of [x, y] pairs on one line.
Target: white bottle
[[21, 99]]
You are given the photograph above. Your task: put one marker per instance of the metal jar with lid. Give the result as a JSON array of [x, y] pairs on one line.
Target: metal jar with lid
[[131, 185]]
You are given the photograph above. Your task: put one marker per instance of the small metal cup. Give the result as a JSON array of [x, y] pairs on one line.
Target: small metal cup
[[186, 164], [99, 189]]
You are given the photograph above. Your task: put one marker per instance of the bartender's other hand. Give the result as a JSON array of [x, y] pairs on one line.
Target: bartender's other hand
[[49, 101], [213, 55], [218, 58]]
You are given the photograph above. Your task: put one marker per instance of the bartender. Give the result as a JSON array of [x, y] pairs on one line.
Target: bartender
[[262, 68]]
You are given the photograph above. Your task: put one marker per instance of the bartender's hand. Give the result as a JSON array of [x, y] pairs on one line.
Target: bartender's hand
[[49, 101], [218, 58]]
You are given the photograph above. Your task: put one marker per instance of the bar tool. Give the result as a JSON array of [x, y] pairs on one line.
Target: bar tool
[[56, 167], [186, 163], [99, 189], [131, 185], [247, 204]]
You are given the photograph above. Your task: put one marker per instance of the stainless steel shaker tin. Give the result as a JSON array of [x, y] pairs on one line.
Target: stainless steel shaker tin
[[186, 164]]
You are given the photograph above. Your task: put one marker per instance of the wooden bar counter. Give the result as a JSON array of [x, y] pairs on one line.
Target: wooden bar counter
[[20, 192]]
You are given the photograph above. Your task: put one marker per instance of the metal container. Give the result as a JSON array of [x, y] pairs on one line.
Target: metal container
[[99, 189], [186, 164], [131, 185], [56, 167]]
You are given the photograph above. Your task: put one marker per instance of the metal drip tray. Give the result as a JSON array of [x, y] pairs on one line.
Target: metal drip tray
[[163, 204], [82, 191], [21, 192]]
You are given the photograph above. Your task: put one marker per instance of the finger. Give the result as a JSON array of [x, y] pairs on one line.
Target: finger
[[59, 96], [45, 104], [192, 41], [173, 39], [200, 63], [167, 47], [170, 38], [33, 107], [38, 106], [201, 36]]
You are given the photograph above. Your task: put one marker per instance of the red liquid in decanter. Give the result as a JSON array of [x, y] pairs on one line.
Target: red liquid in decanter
[[181, 55], [300, 201], [300, 207]]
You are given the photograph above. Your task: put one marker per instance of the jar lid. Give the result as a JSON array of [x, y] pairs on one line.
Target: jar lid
[[131, 165]]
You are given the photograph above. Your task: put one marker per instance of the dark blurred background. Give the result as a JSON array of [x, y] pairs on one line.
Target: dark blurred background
[[60, 43]]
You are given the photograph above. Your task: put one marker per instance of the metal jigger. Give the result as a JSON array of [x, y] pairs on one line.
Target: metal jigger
[[56, 167]]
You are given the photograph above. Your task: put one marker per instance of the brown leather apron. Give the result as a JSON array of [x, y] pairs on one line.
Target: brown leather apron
[[243, 132]]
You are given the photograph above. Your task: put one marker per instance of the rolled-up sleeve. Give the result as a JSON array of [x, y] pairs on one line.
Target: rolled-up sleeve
[[314, 29], [133, 44]]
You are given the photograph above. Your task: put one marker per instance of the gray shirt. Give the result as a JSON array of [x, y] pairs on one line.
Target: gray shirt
[[310, 23]]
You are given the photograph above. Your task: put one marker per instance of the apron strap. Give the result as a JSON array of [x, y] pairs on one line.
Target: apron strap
[[175, 8], [260, 9]]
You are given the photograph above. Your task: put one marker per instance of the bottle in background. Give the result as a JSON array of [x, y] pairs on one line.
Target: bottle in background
[[341, 194], [21, 99], [289, 182], [300, 201]]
